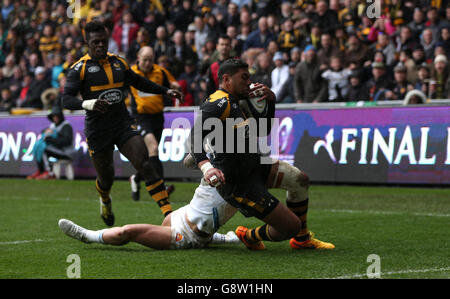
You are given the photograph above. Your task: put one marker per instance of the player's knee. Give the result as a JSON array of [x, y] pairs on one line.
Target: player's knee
[[302, 179]]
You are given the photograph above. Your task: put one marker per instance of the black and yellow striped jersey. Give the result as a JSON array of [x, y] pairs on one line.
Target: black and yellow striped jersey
[[49, 44], [109, 79], [234, 155], [151, 103]]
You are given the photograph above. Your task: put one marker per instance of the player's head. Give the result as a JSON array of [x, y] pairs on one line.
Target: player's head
[[234, 77], [96, 37], [145, 59]]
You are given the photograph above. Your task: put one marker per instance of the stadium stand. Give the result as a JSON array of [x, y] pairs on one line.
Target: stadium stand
[[40, 39]]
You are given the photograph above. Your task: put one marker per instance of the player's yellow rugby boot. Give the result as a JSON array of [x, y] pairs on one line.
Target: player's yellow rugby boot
[[241, 232], [106, 212], [312, 243]]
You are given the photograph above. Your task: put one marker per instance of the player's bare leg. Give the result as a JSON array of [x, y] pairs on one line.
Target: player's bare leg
[[153, 236]]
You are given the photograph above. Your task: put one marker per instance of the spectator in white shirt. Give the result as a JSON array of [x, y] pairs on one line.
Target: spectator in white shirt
[[279, 74], [337, 78]]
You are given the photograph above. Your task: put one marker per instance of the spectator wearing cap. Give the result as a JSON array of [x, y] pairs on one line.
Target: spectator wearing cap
[[401, 85], [280, 74], [260, 37], [295, 55], [309, 86], [423, 79], [357, 89], [287, 92], [379, 84], [191, 76], [37, 87], [440, 75], [327, 50], [189, 37], [414, 97]]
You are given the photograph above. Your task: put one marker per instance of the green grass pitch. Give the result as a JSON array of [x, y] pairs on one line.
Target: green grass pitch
[[408, 228]]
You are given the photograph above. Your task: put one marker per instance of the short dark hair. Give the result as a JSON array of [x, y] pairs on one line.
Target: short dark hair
[[231, 67], [94, 27], [224, 36]]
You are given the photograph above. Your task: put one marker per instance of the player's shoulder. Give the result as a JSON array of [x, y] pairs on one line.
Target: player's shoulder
[[218, 95], [118, 59], [217, 103], [78, 65]]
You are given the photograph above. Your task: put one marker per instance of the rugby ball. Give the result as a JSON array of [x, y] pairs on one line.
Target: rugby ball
[[254, 106]]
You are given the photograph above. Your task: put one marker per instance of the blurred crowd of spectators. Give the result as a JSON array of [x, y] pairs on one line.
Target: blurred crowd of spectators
[[306, 50]]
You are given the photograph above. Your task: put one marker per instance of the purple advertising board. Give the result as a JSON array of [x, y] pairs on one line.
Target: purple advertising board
[[399, 145]]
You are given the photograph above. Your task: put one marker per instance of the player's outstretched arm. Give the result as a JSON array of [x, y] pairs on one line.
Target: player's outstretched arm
[[148, 86]]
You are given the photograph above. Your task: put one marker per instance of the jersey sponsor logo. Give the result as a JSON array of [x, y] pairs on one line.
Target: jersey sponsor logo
[[78, 65], [113, 96], [223, 101], [178, 237], [93, 69]]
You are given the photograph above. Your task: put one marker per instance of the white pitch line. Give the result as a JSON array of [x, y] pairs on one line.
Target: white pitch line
[[393, 273], [383, 212], [21, 242]]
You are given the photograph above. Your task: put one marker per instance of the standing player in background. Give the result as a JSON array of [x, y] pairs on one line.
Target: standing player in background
[[102, 79], [148, 110]]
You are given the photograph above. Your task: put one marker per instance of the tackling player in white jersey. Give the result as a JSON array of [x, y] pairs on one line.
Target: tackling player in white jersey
[[194, 225]]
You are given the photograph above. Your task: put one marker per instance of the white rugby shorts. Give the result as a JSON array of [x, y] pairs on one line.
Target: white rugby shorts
[[182, 235]]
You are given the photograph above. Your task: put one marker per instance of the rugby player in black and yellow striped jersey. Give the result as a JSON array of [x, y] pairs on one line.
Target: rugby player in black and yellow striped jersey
[[148, 110], [240, 176], [102, 79]]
